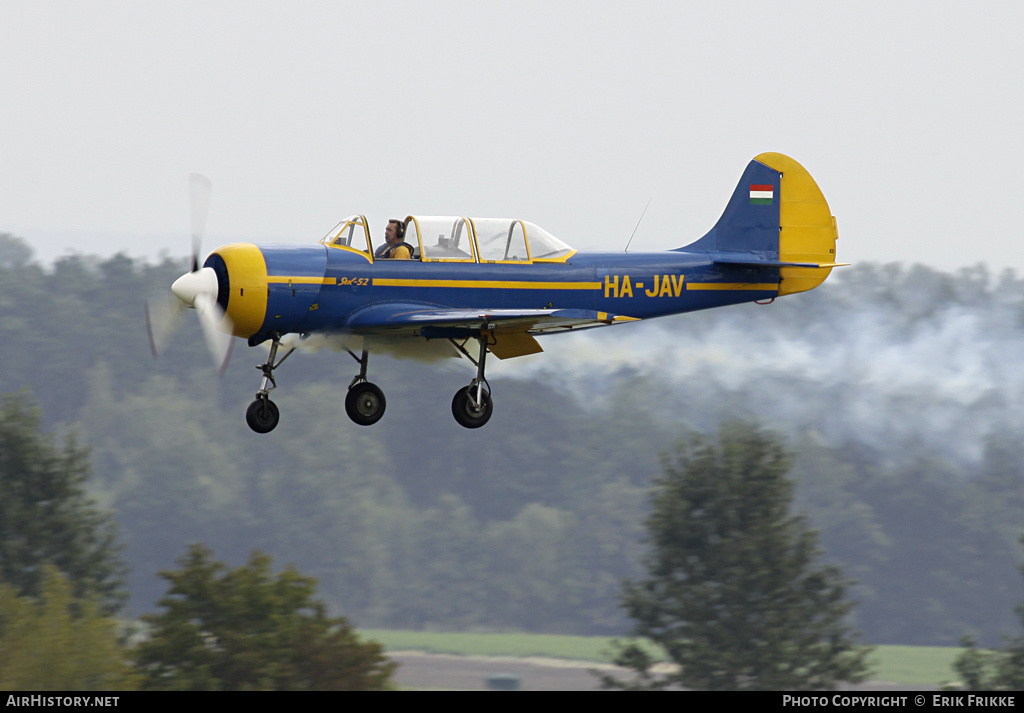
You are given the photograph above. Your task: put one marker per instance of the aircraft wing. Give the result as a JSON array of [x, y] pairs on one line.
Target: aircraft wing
[[512, 328], [394, 317]]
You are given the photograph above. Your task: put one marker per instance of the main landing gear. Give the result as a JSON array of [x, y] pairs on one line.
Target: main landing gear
[[472, 405], [365, 403]]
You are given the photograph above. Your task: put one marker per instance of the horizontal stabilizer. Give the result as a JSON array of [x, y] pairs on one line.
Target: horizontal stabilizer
[[750, 260]]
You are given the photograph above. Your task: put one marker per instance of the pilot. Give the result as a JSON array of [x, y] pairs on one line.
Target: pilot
[[395, 247]]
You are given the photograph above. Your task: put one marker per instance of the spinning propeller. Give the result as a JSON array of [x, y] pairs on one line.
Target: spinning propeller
[[196, 289]]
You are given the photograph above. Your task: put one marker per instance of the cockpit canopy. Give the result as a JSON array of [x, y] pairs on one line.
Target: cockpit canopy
[[459, 239]]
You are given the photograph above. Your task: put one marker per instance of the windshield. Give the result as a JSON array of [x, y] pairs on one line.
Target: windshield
[[352, 233]]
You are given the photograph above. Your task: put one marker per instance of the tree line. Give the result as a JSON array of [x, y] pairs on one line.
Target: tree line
[[62, 583], [734, 592]]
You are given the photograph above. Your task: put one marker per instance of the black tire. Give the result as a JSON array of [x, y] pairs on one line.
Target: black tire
[[365, 403], [468, 415], [262, 415]]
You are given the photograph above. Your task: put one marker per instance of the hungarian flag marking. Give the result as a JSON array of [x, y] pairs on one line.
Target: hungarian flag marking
[[761, 194]]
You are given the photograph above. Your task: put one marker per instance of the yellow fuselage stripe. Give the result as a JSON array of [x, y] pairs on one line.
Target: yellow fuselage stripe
[[510, 284], [496, 284], [732, 286], [294, 280]]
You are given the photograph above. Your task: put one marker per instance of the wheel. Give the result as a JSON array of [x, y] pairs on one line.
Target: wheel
[[365, 403], [469, 414], [262, 415]]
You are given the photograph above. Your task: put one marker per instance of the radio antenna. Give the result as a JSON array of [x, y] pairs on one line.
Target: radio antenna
[[626, 249]]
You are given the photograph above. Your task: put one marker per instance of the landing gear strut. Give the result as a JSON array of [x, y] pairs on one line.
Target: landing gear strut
[[472, 405], [263, 414], [364, 402]]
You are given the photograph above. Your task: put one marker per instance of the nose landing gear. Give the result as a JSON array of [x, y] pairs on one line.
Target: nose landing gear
[[263, 414]]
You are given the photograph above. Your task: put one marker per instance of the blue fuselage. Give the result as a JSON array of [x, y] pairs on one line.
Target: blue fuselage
[[317, 288]]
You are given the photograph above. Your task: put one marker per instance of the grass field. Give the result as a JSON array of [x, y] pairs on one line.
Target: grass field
[[921, 665]]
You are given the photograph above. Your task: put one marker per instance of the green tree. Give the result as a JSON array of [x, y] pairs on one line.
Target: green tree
[[733, 594], [55, 642], [994, 670], [245, 629], [15, 253], [46, 515]]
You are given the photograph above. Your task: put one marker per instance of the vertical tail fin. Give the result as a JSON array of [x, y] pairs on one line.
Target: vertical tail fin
[[777, 217]]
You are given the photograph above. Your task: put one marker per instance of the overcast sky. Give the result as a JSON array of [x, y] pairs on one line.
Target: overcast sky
[[568, 114]]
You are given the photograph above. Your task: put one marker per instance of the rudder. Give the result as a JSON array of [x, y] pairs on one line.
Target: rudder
[[808, 229]]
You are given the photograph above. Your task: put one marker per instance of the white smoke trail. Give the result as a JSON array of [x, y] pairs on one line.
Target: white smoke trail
[[883, 375]]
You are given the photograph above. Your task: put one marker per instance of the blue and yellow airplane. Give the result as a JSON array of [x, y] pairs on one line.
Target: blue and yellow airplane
[[484, 286]]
